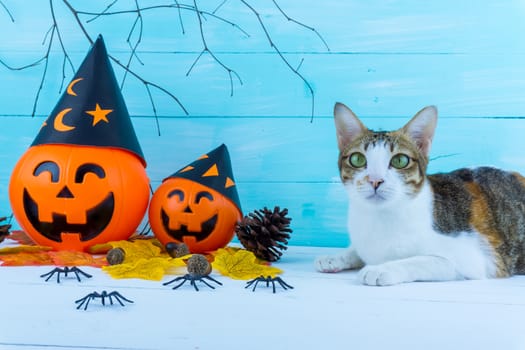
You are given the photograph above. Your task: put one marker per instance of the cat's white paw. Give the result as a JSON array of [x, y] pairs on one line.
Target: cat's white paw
[[330, 264], [381, 275]]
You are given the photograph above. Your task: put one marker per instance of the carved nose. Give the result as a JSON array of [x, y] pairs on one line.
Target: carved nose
[[188, 210], [376, 183], [65, 193]]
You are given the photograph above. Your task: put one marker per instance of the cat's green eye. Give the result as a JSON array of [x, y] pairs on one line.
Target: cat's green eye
[[400, 161], [357, 160]]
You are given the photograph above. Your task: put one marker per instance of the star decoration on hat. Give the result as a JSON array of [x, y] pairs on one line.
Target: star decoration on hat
[[99, 114], [92, 111], [213, 170]]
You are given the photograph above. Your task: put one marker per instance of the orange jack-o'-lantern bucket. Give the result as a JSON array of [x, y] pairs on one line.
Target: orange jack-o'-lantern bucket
[[83, 180], [198, 205]]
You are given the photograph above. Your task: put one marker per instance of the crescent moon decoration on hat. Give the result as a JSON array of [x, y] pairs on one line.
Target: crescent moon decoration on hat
[[92, 111], [213, 170]]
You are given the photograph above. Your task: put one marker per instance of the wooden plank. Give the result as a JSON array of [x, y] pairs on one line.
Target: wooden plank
[[286, 161], [347, 26], [386, 57], [375, 85]]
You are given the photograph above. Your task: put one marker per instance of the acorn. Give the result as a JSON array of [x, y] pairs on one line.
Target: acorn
[[176, 250], [115, 256], [198, 265]]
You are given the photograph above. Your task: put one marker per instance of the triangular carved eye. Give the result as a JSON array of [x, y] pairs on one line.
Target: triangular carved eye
[[48, 166]]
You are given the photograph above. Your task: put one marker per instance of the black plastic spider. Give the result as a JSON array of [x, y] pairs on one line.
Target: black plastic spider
[[193, 278], [116, 295], [58, 271], [268, 280]]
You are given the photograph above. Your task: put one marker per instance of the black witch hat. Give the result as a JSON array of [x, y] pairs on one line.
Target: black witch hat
[[213, 170], [92, 112]]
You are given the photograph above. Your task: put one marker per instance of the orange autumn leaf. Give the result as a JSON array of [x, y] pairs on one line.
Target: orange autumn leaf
[[21, 237], [72, 258], [23, 249], [27, 259], [33, 255]]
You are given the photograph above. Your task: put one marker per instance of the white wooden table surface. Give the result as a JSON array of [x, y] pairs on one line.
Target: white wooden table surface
[[323, 311]]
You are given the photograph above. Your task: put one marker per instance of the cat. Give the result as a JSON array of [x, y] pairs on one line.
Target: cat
[[408, 226]]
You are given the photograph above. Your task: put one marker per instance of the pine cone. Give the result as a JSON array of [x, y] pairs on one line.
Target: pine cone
[[265, 233]]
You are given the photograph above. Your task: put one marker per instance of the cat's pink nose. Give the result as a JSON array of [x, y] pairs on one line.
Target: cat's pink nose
[[376, 183]]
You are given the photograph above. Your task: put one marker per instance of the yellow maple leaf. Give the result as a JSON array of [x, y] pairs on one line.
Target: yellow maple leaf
[[241, 265], [152, 269], [139, 249]]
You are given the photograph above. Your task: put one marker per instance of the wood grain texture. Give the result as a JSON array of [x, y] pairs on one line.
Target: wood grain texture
[[386, 60]]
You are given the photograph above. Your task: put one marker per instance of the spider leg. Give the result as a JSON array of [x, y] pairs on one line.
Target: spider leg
[[87, 302], [206, 283], [111, 296], [192, 279], [79, 271], [119, 297], [81, 301], [256, 283], [212, 279], [175, 280], [249, 283], [283, 284], [103, 296], [273, 284], [180, 284], [51, 273]]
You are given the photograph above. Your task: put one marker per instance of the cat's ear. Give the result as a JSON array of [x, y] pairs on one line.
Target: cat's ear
[[348, 126], [421, 128]]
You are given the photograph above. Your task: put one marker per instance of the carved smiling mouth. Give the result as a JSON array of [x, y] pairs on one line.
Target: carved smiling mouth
[[98, 218], [207, 228]]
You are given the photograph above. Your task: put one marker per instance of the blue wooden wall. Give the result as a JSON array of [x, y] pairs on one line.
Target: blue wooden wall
[[384, 59]]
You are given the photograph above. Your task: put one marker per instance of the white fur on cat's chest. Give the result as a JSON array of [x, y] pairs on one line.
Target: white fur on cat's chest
[[381, 234], [404, 230]]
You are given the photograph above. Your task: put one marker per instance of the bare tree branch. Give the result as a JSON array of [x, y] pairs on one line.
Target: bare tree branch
[[66, 56], [286, 62], [301, 24], [46, 62], [7, 11], [147, 84], [135, 37], [230, 71]]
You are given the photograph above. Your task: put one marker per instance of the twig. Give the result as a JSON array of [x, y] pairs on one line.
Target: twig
[[147, 84], [180, 17], [207, 50], [276, 49], [219, 6], [66, 56], [46, 62], [301, 24], [133, 48], [176, 5], [103, 12], [7, 11]]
